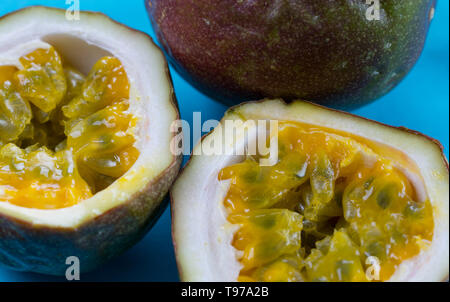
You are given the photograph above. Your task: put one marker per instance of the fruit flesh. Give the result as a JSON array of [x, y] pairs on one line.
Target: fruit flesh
[[63, 136], [350, 202]]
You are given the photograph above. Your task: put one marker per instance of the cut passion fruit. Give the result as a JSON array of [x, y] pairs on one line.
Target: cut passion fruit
[[85, 156], [347, 199]]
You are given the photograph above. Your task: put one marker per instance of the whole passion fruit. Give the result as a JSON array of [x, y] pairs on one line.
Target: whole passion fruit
[[85, 160], [341, 54], [333, 197]]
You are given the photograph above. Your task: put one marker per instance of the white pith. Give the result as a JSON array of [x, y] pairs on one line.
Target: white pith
[[81, 43], [203, 236]]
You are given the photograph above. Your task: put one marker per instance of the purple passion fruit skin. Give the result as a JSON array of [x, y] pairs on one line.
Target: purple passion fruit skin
[[327, 52]]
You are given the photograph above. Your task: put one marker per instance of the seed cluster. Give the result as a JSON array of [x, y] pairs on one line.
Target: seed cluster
[[347, 204], [63, 136]]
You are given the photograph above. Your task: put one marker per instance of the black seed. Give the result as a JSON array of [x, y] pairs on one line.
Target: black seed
[[413, 210], [345, 269], [384, 198], [375, 249], [368, 182]]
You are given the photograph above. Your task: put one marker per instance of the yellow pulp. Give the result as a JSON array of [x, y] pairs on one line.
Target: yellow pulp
[[329, 210], [63, 136]]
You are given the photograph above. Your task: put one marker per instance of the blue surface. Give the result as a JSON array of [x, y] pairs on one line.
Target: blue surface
[[420, 102]]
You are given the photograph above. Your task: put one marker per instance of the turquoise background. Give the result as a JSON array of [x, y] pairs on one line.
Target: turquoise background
[[420, 102]]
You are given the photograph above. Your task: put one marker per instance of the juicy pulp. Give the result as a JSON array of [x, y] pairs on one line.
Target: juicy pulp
[[328, 205], [63, 136]]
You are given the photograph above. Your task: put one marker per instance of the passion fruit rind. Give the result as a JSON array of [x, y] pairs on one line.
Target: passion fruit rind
[[26, 247], [30, 240], [206, 252]]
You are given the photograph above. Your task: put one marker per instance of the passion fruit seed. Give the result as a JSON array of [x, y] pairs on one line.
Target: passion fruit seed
[[106, 84], [15, 112], [330, 219], [63, 136], [266, 235], [42, 81], [36, 177]]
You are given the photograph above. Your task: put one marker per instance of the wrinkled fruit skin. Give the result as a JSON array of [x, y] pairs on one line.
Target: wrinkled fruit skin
[[321, 51]]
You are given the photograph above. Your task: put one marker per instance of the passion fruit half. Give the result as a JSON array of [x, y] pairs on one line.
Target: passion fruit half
[[345, 199], [85, 161]]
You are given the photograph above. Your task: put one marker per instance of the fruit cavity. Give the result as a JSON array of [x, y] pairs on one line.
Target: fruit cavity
[[326, 211], [63, 136]]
